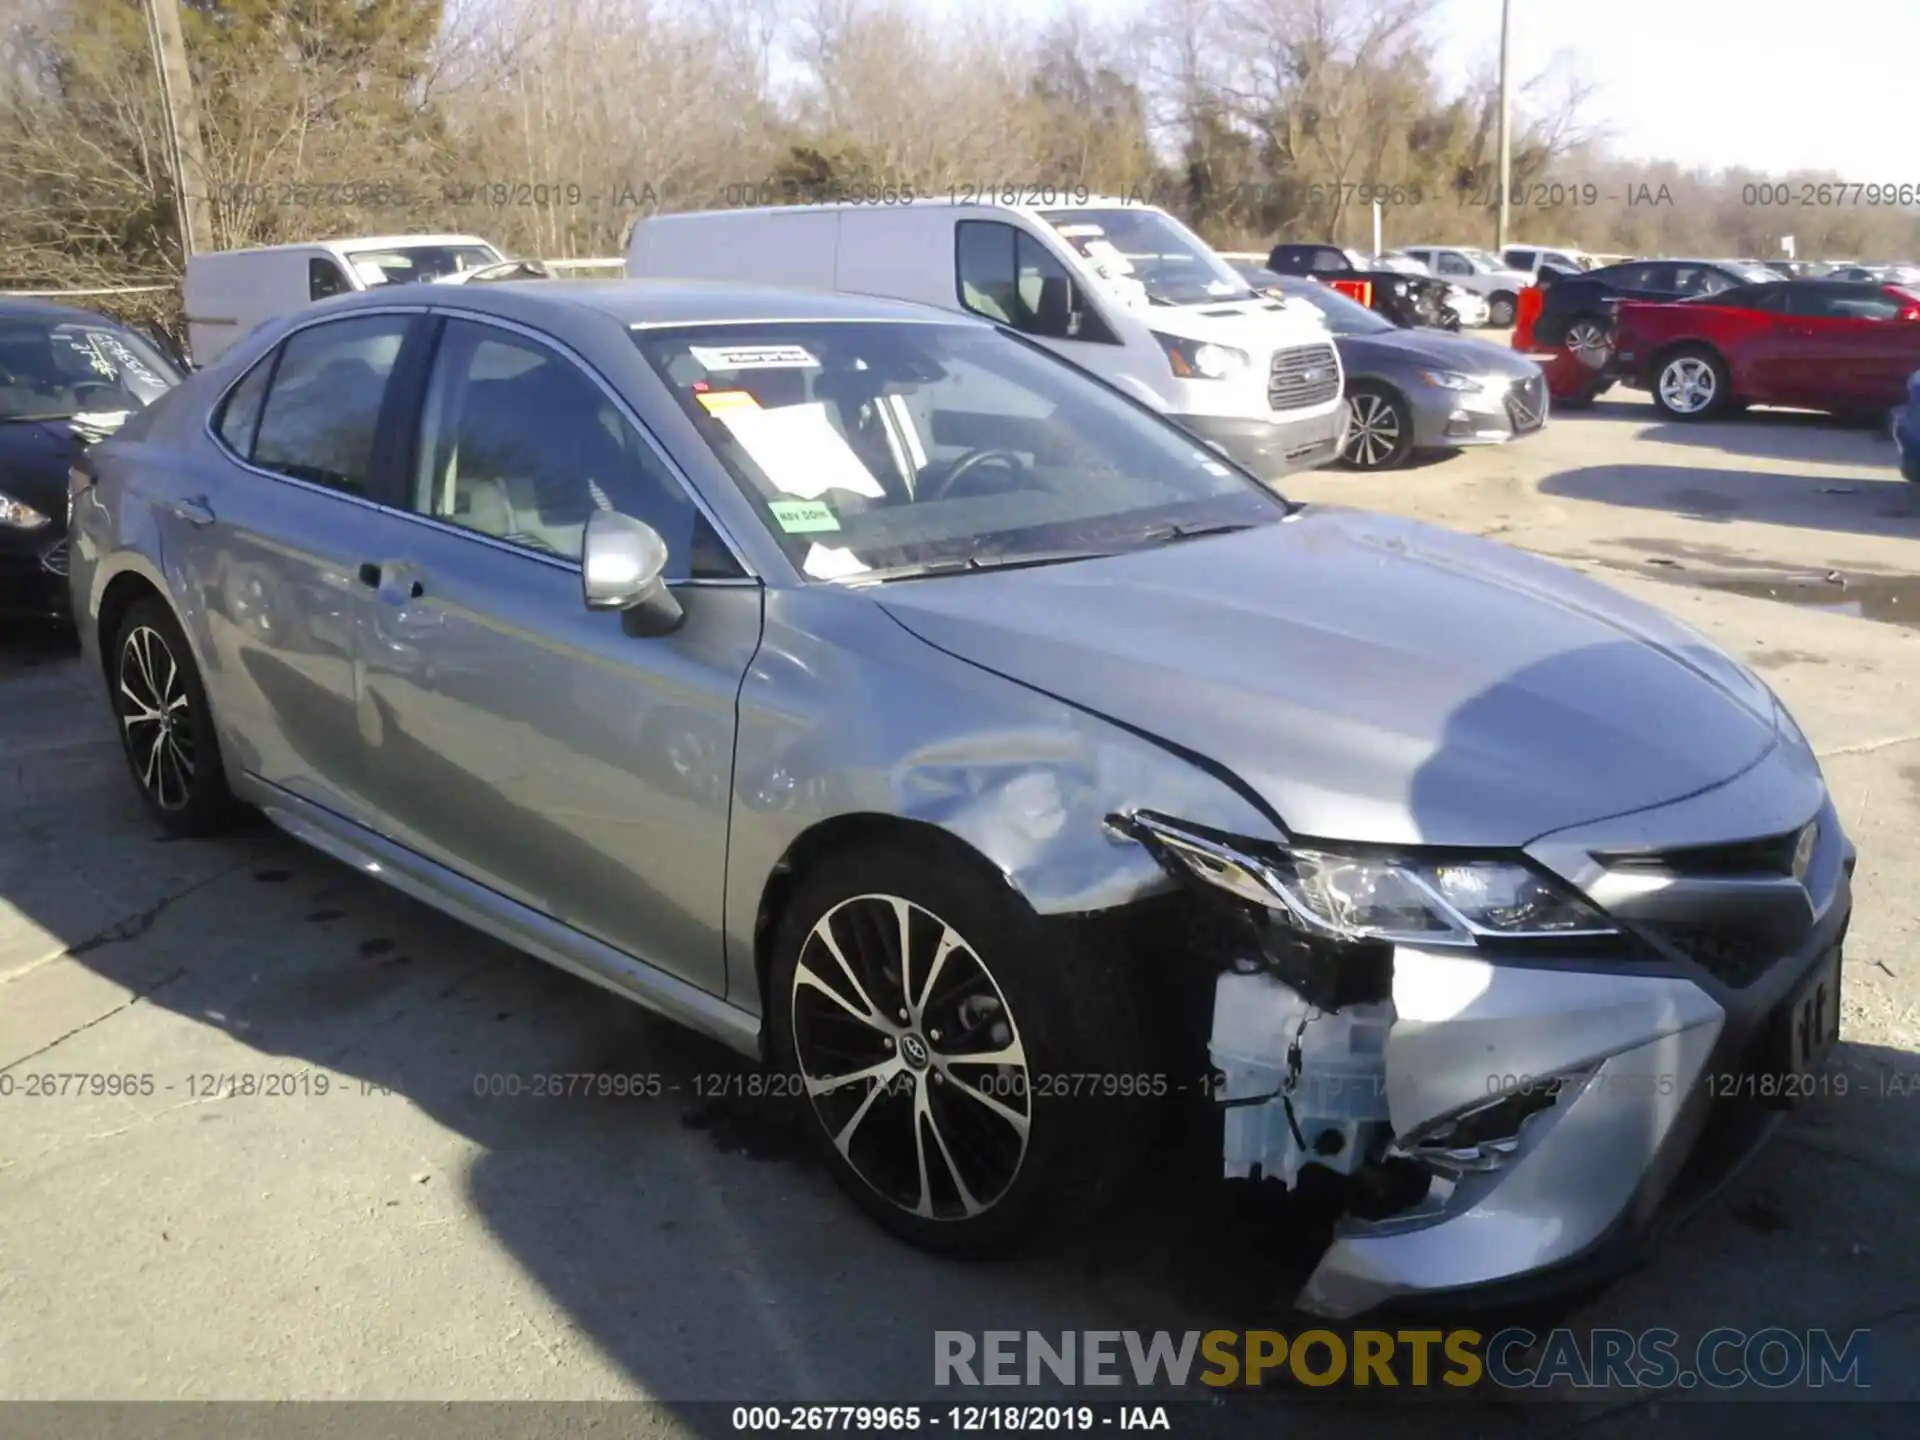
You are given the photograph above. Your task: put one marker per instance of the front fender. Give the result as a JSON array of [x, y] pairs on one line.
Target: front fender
[[845, 713]]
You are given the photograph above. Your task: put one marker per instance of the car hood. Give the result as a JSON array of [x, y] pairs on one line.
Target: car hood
[[1371, 679], [34, 458], [1432, 349]]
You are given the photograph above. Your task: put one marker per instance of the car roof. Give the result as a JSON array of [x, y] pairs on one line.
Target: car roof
[[661, 302], [354, 244], [25, 308]]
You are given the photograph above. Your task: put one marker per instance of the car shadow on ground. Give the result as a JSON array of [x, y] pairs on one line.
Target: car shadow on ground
[[685, 1231], [1852, 505], [1796, 436]]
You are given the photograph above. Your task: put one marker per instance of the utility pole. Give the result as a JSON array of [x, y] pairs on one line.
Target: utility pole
[[1506, 131], [184, 155]]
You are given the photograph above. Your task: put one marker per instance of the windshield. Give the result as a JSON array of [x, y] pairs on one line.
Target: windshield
[[1344, 316], [1484, 261], [54, 370], [881, 450], [404, 265], [1149, 253]]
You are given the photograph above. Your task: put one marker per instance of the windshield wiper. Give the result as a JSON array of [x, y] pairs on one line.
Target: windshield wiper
[[1166, 534], [962, 564], [31, 419]]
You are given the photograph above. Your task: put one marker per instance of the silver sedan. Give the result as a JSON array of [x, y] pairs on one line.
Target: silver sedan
[[865, 688]]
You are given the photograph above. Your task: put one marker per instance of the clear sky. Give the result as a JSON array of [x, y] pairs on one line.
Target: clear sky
[[1775, 85]]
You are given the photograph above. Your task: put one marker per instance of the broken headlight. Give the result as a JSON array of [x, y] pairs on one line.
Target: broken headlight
[[1348, 895]]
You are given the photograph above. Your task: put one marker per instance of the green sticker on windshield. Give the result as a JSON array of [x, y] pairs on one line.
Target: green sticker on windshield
[[802, 517]]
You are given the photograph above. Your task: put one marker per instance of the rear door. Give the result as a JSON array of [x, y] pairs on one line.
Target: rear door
[[518, 738], [266, 548]]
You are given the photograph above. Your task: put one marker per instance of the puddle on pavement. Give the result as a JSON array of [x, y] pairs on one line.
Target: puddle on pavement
[[1894, 599]]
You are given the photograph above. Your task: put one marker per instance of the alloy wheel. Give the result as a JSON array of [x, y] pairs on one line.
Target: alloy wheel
[[156, 718], [1688, 385], [1587, 339], [1373, 430], [911, 1057]]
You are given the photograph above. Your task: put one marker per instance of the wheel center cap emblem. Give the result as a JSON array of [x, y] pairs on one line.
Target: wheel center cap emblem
[[914, 1051]]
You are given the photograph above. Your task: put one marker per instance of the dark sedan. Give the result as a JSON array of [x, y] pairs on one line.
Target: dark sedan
[[1406, 300], [1577, 310], [67, 378], [1411, 390]]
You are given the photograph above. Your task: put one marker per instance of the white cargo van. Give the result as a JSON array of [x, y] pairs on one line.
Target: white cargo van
[[1121, 289], [228, 292]]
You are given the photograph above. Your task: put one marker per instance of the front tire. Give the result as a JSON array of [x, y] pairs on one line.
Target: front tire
[[1691, 383], [1379, 428], [166, 725], [931, 1022]]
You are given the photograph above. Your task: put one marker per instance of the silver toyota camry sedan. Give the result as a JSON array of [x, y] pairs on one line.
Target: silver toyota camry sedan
[[867, 689]]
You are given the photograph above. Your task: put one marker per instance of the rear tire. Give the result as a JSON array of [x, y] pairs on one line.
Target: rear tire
[[956, 1154], [1500, 309], [1690, 383], [1586, 340], [166, 725], [1379, 428]]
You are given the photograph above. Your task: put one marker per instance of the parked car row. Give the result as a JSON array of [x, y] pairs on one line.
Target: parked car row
[[1410, 389]]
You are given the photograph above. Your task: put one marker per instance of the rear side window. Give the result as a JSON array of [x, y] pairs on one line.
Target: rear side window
[[324, 278], [1520, 259], [1452, 264], [239, 416], [323, 407]]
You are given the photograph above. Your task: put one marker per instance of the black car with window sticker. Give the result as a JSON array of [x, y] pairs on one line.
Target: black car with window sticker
[[67, 378]]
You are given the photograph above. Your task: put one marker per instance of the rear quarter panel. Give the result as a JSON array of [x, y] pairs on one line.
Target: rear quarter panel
[[1646, 329]]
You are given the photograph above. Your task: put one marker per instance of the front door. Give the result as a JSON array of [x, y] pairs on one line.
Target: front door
[[520, 739]]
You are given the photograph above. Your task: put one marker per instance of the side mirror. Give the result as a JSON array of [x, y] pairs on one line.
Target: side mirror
[[623, 566]]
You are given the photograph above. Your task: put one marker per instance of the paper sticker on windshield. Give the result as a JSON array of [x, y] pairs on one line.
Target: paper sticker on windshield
[[753, 357], [717, 401], [803, 517], [1079, 231], [799, 450]]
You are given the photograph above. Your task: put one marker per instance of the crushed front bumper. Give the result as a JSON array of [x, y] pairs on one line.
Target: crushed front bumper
[[1557, 1110]]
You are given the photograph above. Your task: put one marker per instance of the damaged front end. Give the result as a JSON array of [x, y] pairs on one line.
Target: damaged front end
[[1422, 1025]]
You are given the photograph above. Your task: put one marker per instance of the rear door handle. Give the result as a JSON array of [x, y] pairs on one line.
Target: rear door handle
[[194, 510]]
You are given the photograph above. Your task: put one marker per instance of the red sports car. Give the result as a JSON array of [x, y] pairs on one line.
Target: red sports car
[[1811, 344]]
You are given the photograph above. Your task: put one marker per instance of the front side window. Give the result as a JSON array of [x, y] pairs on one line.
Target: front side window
[[517, 442], [879, 450], [1452, 264], [1011, 278], [322, 409], [325, 279], [56, 370]]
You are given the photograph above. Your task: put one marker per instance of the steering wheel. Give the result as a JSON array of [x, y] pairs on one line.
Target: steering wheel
[[945, 480]]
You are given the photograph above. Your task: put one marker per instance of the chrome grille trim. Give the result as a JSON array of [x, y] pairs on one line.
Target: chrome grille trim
[[1303, 375], [1527, 403]]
